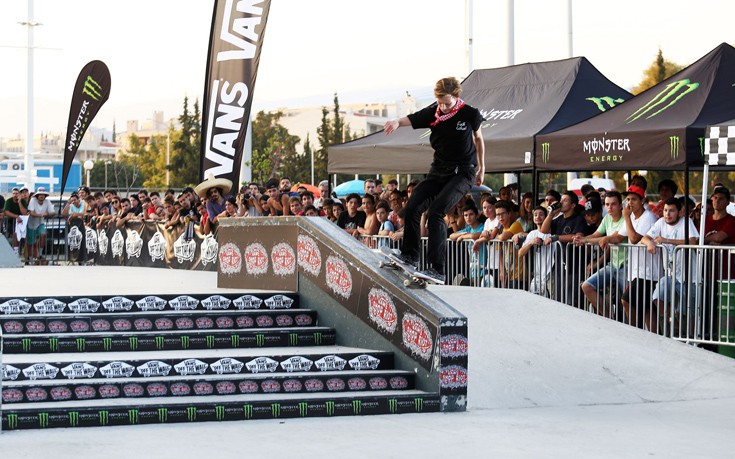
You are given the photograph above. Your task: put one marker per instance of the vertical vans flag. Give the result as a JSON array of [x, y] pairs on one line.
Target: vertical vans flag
[[90, 91], [238, 27]]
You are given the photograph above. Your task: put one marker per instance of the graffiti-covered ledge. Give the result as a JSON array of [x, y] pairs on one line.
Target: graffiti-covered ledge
[[341, 278]]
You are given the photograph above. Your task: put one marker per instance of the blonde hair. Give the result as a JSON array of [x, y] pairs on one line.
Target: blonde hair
[[449, 86]]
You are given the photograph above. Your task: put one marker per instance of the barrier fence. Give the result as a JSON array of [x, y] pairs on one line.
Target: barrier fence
[[686, 293]]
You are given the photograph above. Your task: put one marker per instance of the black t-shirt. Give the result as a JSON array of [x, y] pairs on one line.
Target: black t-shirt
[[563, 226], [347, 222], [452, 140]]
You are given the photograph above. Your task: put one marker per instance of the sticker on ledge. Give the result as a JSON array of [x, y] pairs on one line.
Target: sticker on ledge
[[453, 377], [256, 259], [453, 346], [230, 259], [416, 335], [382, 310], [284, 260], [339, 279], [310, 258]]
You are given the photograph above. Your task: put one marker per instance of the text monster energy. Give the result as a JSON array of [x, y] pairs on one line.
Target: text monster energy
[[672, 93], [104, 416], [12, 421], [275, 410], [133, 417], [162, 415], [53, 344], [392, 405], [43, 420], [235, 340], [159, 342], [107, 343], [303, 409], [219, 411], [317, 338], [73, 418], [330, 408], [674, 146], [81, 344], [356, 406], [92, 88], [191, 413], [545, 147], [609, 101], [210, 341], [247, 411]]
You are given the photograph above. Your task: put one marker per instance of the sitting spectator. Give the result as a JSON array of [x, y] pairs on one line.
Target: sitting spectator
[[543, 254], [352, 218]]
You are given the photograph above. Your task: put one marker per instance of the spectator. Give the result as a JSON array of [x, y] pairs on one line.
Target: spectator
[[136, 208], [229, 212], [473, 227], [511, 268], [369, 186], [294, 206], [307, 199], [612, 274], [275, 203], [505, 194], [586, 188], [386, 226], [455, 217], [525, 214], [592, 215], [337, 210], [396, 204], [668, 232], [641, 269], [719, 228], [666, 189], [39, 209], [323, 194], [543, 254], [126, 213], [352, 218], [552, 196], [286, 194], [83, 194], [371, 225], [311, 211], [390, 187], [74, 208], [12, 211], [328, 209], [216, 191], [409, 189]]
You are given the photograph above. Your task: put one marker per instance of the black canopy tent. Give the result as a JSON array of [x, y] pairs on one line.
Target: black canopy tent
[[659, 129], [518, 102]]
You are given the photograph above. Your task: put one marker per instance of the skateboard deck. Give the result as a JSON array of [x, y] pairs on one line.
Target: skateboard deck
[[415, 279]]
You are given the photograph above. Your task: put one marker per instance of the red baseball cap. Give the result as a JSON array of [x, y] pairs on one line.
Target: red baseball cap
[[636, 190]]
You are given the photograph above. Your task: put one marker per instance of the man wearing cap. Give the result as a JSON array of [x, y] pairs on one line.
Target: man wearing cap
[[39, 209], [642, 267], [612, 275]]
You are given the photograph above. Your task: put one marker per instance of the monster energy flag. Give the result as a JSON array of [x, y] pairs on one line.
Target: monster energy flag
[[90, 91], [238, 28], [660, 129]]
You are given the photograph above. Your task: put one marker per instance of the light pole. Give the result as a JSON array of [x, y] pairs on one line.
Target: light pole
[[107, 161], [88, 165]]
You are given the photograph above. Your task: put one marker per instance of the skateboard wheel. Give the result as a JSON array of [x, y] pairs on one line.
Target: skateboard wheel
[[407, 282]]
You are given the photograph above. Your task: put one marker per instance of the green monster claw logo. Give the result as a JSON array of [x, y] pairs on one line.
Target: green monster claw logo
[[133, 417], [210, 341], [247, 411], [259, 339], [43, 420], [662, 97], [191, 413], [607, 100], [26, 343], [293, 339], [275, 409], [701, 146], [162, 415], [159, 342], [12, 421], [418, 403], [73, 418], [81, 344], [303, 409], [674, 146], [545, 151], [219, 411], [53, 344], [330, 408], [356, 406], [317, 338], [107, 343], [235, 340], [133, 343], [392, 405], [184, 342], [92, 88], [104, 417]]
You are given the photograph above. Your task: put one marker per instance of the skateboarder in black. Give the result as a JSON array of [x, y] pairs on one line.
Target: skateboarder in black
[[459, 161]]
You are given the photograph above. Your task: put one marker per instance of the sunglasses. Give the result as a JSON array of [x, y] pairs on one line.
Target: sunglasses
[[116, 202]]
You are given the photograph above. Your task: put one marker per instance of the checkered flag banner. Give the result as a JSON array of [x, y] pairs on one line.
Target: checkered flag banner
[[719, 145]]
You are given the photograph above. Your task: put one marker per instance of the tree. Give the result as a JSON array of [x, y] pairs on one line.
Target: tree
[[274, 149], [659, 70], [185, 150]]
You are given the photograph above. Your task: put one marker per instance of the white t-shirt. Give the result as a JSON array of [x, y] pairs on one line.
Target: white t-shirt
[[642, 264], [666, 231], [493, 253], [35, 206], [543, 256]]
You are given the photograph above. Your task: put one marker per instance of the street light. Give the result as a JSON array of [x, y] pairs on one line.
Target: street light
[[107, 161], [88, 165]]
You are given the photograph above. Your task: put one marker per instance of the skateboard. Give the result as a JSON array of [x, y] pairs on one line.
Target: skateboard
[[415, 279]]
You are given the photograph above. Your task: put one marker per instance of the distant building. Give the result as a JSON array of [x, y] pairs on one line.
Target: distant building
[[96, 145], [146, 129]]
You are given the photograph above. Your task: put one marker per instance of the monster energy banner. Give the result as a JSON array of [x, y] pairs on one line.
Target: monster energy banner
[[90, 91], [662, 128], [518, 102], [238, 28], [147, 243]]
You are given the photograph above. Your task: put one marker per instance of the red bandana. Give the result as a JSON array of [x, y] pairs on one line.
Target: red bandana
[[439, 117]]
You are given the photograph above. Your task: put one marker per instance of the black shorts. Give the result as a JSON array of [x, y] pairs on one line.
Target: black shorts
[[640, 290]]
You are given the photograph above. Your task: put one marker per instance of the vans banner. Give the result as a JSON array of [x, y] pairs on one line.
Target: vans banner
[[238, 28], [90, 91]]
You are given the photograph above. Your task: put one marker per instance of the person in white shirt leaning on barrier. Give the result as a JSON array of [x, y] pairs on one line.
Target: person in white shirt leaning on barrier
[[610, 271], [490, 230], [642, 267], [543, 255], [39, 209], [668, 232]]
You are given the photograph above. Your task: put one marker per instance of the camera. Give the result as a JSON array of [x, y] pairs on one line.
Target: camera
[[246, 196], [554, 206]]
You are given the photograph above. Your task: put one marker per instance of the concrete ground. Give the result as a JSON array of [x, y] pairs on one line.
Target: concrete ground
[[546, 380]]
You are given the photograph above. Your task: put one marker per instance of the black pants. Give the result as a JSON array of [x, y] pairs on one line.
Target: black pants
[[438, 193]]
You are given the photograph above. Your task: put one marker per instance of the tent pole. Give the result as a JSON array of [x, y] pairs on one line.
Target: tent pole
[[703, 209], [686, 201]]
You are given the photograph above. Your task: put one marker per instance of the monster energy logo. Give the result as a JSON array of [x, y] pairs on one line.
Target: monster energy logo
[[81, 344], [92, 88], [73, 418], [317, 338], [235, 340], [184, 342], [12, 421], [293, 339], [210, 341], [356, 406], [133, 416], [392, 405], [330, 408], [662, 97], [107, 343], [43, 420], [219, 411], [545, 150], [674, 146], [160, 342], [259, 339], [303, 409], [607, 100], [191, 413], [418, 403], [104, 416], [133, 343], [162, 415], [26, 343], [701, 146], [275, 409], [247, 411]]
